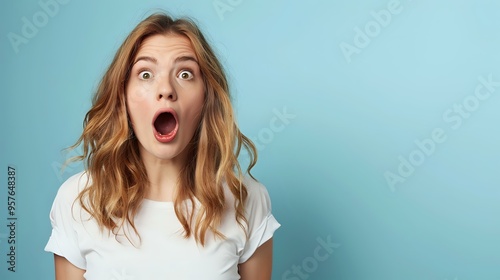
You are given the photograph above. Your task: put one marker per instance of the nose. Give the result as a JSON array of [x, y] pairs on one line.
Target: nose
[[166, 90]]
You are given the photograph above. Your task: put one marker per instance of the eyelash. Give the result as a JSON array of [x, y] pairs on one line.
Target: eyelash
[[186, 70], [140, 71]]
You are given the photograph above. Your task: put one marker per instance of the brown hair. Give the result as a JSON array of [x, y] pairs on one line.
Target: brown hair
[[118, 176]]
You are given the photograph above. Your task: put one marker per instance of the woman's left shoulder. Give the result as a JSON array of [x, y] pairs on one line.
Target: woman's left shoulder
[[258, 196], [261, 222], [253, 184]]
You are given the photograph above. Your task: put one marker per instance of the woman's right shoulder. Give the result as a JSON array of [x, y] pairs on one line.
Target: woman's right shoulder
[[72, 187]]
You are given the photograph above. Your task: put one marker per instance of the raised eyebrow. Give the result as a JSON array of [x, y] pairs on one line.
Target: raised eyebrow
[[177, 60], [146, 58], [185, 58]]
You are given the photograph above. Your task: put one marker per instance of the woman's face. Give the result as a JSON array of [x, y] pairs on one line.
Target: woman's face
[[165, 95]]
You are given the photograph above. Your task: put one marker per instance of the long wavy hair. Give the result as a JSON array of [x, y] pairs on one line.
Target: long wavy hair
[[118, 178]]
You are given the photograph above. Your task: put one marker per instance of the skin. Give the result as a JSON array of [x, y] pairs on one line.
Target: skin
[[166, 74], [66, 270], [259, 265]]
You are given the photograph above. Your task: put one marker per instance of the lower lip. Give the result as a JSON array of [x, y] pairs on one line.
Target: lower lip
[[165, 138]]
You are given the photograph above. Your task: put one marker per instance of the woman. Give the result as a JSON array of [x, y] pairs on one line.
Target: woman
[[162, 195]]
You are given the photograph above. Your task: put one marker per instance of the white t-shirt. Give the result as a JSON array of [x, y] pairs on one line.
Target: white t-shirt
[[162, 252]]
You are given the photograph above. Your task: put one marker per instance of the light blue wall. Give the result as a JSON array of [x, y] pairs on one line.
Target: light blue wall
[[335, 112]]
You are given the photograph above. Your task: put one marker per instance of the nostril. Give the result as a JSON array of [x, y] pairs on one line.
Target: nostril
[[169, 96]]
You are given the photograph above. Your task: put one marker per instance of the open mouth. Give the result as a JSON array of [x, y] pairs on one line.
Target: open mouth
[[165, 126]]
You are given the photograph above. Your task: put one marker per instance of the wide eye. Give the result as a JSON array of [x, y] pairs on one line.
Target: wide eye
[[145, 75], [185, 75]]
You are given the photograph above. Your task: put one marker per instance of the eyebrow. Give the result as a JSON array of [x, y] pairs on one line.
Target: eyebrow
[[146, 58], [177, 60], [185, 58]]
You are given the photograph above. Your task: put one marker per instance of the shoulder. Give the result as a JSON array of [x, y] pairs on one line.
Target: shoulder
[[260, 220], [257, 206], [258, 196], [257, 202], [72, 187]]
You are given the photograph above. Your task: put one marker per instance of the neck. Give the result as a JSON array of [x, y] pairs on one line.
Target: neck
[[163, 176]]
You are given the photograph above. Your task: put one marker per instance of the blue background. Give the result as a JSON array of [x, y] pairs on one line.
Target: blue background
[[350, 119]]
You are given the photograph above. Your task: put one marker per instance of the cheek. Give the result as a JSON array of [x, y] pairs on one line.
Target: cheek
[[137, 107], [137, 94], [194, 111], [198, 103]]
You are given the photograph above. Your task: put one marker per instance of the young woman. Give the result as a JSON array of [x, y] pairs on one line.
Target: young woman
[[162, 195]]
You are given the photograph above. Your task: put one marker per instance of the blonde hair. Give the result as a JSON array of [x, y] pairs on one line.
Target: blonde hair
[[111, 156]]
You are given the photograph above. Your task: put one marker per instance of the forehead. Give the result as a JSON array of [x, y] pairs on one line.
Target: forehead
[[165, 45]]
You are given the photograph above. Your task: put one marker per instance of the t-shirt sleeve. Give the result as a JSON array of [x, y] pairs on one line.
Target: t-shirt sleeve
[[63, 240], [261, 222]]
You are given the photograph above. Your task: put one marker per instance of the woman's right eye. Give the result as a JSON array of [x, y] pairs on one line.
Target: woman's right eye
[[145, 75]]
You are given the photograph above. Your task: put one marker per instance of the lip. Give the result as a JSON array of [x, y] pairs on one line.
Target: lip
[[167, 137]]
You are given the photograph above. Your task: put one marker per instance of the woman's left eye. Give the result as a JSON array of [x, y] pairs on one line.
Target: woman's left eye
[[185, 75]]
